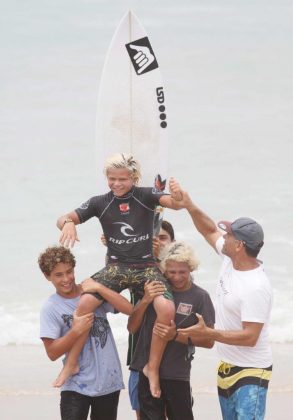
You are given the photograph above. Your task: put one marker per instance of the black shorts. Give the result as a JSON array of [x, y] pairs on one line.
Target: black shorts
[[75, 406], [176, 400], [119, 277]]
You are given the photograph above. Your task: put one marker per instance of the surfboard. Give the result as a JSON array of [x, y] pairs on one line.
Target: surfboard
[[131, 112]]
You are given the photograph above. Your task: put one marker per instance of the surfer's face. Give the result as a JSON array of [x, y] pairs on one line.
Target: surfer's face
[[62, 277], [178, 274], [120, 181]]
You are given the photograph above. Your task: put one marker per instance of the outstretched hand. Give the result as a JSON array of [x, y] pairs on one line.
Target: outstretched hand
[[195, 331], [68, 235]]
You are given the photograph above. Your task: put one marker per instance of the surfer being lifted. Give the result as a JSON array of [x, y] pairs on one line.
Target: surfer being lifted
[[126, 214]]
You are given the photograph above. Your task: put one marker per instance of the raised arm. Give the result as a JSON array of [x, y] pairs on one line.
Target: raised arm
[[55, 348], [151, 290], [203, 223], [174, 200], [67, 225], [119, 302]]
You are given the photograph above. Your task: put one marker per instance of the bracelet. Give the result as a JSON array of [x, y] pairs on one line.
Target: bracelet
[[175, 336], [67, 221]]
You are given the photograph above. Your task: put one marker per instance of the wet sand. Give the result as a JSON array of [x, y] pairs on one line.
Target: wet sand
[[27, 374]]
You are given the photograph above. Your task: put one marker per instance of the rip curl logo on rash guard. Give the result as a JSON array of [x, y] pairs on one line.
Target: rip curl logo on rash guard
[[126, 230]]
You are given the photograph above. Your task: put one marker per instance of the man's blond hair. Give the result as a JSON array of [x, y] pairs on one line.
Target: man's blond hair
[[179, 252], [124, 161]]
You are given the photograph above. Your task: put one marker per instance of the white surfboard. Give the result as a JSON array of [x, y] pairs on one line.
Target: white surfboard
[[131, 114]]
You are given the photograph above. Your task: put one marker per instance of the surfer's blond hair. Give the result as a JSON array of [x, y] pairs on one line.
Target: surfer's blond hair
[[179, 252], [123, 161]]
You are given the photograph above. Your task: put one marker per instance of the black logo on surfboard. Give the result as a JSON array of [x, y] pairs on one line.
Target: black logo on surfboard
[[142, 56], [162, 108]]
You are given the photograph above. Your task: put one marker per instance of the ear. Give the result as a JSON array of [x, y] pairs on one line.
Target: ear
[[240, 246]]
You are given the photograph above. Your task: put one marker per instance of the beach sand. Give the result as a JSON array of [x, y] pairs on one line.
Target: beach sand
[[26, 394]]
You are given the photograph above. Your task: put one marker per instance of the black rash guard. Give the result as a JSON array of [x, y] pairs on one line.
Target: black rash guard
[[127, 223]]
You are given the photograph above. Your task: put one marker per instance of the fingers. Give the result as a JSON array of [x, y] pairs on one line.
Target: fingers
[[68, 235], [186, 331], [166, 332]]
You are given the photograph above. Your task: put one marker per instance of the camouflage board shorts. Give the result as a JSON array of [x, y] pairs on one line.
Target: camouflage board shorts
[[119, 277]]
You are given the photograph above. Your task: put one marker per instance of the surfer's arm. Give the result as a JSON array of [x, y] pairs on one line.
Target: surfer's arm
[[67, 224]]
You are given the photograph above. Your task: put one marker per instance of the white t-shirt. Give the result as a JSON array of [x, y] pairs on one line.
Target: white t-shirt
[[243, 296]]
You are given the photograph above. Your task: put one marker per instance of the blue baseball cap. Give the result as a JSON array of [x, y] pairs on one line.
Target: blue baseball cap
[[246, 230]]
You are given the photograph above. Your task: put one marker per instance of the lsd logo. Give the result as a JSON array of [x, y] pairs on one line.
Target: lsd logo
[[142, 56], [162, 108]]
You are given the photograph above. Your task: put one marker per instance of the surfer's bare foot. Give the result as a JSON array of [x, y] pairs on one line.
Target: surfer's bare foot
[[64, 374], [154, 381]]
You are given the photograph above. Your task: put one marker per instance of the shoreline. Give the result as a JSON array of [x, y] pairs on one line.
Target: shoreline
[[27, 374]]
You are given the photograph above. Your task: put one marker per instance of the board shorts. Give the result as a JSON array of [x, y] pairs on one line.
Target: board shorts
[[242, 391], [119, 277]]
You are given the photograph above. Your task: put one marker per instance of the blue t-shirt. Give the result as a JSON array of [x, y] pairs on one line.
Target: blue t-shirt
[[100, 370]]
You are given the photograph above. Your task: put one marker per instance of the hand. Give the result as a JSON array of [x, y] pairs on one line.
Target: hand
[[103, 240], [89, 286], [180, 197], [68, 235], [143, 58], [156, 247], [166, 332], [175, 189], [195, 331], [82, 323], [152, 290]]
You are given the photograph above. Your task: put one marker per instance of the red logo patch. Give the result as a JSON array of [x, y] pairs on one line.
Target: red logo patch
[[124, 207]]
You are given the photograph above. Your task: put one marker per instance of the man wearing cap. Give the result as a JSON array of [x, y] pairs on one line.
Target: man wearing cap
[[243, 306]]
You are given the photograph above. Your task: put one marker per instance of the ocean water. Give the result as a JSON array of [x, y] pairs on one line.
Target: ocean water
[[228, 69]]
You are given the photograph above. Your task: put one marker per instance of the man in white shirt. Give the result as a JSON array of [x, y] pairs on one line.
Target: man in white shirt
[[243, 305]]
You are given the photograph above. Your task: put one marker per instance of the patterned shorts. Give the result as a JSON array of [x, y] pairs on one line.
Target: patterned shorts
[[120, 277], [242, 391]]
